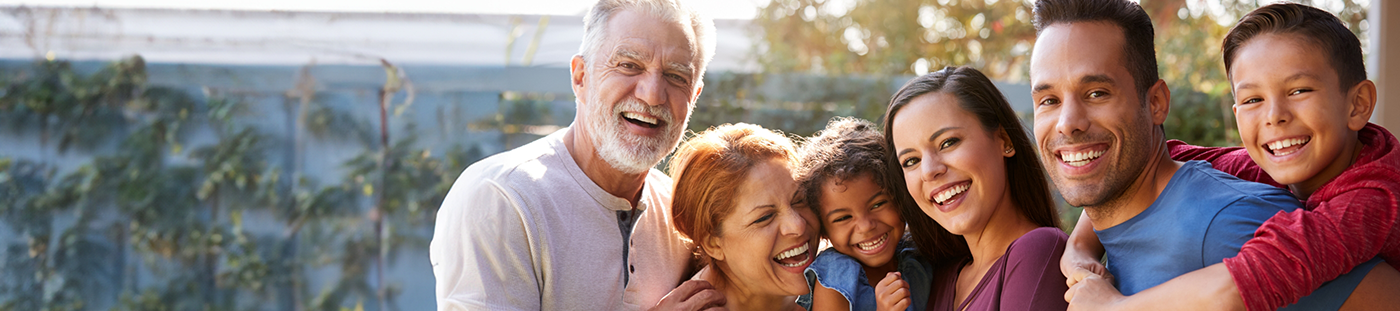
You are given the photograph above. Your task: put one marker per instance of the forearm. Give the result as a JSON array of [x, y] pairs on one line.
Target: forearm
[[1294, 253], [1210, 288], [1083, 247]]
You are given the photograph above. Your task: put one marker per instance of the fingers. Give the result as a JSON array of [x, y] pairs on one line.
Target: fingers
[[692, 295], [704, 300], [903, 304], [1079, 274], [1069, 294], [889, 279], [892, 293], [689, 288]]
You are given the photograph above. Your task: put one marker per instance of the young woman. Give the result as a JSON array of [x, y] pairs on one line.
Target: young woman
[[981, 207]]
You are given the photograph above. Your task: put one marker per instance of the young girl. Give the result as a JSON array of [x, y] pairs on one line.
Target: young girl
[[870, 264]]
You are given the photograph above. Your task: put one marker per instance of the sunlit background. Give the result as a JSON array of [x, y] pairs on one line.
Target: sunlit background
[[291, 155]]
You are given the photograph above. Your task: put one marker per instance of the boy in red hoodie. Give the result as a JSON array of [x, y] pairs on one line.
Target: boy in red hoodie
[[1302, 105]]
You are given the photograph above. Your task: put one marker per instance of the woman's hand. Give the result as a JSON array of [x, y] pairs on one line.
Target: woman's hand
[[892, 293]]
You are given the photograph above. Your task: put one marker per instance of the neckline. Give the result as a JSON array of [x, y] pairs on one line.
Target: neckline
[[983, 282]]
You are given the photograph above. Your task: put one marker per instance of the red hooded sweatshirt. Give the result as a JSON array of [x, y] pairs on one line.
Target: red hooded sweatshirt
[[1349, 220]]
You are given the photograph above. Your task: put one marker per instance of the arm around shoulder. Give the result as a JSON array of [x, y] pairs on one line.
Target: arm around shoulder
[[480, 252]]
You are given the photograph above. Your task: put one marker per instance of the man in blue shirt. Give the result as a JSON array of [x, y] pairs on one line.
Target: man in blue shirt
[[1099, 108]]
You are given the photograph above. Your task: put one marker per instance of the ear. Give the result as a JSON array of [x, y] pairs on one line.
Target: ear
[[699, 86], [714, 248], [577, 67], [1361, 102], [1159, 101], [1007, 148]]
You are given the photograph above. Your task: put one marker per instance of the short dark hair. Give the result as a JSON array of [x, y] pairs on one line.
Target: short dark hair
[[1319, 27], [847, 148], [1139, 51], [1025, 177]]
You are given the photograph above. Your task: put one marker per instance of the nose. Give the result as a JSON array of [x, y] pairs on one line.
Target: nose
[[792, 223], [931, 168], [1278, 112], [865, 224], [651, 88], [1072, 118]]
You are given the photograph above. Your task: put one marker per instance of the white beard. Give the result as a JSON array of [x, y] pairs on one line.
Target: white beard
[[628, 153]]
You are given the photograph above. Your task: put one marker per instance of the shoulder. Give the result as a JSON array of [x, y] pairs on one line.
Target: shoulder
[[523, 165], [1374, 176], [1039, 245], [829, 260], [836, 271], [660, 187], [498, 186], [1199, 183]]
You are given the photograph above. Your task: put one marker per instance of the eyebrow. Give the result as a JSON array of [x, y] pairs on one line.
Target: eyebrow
[[626, 53], [1085, 79], [930, 138], [877, 195], [680, 67], [833, 212], [1040, 87], [1294, 77], [1096, 79]]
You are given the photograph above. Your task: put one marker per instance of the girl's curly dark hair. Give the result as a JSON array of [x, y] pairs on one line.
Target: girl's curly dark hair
[[847, 148]]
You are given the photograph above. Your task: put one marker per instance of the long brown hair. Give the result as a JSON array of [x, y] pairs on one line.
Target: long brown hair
[[1024, 174]]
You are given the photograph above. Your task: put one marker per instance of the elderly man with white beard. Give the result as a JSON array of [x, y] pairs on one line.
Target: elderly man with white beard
[[579, 219]]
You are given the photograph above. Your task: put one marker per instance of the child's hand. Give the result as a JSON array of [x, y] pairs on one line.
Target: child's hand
[[892, 293], [1093, 293], [1082, 252], [1080, 273]]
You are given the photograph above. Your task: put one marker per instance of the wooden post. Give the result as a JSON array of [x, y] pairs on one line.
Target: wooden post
[[1384, 67]]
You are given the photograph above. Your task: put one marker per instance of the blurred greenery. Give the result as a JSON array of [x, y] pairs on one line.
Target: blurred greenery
[[180, 207], [912, 37]]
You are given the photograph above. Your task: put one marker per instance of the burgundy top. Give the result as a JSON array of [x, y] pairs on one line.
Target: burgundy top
[[1349, 220], [1027, 277]]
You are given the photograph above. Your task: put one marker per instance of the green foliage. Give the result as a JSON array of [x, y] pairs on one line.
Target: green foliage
[[181, 206], [901, 37], [891, 37]]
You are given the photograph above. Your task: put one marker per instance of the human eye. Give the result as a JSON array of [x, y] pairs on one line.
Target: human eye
[[765, 217], [1049, 101], [1251, 100], [840, 219], [629, 66], [909, 162], [948, 143], [1097, 94], [1299, 91], [878, 205], [681, 80]]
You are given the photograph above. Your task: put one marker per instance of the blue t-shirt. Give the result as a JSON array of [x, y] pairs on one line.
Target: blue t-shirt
[[846, 275], [1202, 217]]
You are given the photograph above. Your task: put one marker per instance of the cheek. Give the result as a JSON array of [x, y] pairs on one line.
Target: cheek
[[912, 183]]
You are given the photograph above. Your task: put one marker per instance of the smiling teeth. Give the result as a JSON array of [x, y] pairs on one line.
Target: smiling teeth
[[1275, 146], [873, 244], [639, 117], [955, 190], [1078, 159], [793, 253]]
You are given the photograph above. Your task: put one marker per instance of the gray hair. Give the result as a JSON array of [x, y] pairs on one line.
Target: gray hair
[[595, 24]]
